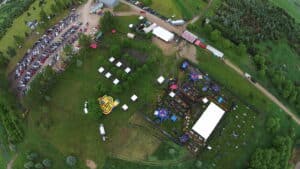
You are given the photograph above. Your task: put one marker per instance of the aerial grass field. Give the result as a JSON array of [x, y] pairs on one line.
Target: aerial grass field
[[292, 7], [179, 8]]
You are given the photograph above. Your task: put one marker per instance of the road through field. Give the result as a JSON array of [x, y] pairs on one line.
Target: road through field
[[179, 30]]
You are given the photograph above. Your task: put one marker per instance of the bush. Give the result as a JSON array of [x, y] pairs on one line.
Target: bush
[[71, 161]]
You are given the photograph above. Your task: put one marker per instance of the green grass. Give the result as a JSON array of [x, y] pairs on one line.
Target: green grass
[[292, 7], [121, 8], [180, 8]]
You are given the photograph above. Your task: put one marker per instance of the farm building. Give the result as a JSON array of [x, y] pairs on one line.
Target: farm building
[[163, 34], [110, 3], [190, 37], [207, 122], [215, 51], [179, 22]]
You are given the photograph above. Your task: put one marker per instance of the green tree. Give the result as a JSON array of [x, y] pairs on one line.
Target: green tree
[[108, 18], [29, 165], [215, 35], [273, 124], [47, 163], [38, 166]]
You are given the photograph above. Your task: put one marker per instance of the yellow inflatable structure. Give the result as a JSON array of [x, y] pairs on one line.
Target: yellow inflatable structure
[[107, 104]]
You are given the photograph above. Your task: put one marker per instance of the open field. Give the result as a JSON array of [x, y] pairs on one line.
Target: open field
[[292, 7], [179, 8]]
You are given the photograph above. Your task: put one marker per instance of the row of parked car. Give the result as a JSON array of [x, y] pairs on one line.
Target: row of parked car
[[40, 52]]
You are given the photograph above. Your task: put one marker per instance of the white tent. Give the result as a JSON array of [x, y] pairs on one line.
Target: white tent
[[161, 79], [101, 70], [127, 70], [125, 107], [119, 64], [205, 100], [111, 59], [116, 81], [108, 75], [210, 118], [134, 98], [172, 94], [163, 34], [215, 51]]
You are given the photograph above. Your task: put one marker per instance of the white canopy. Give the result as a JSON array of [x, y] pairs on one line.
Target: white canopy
[[172, 94], [108, 75], [161, 79], [127, 70], [112, 59], [134, 97], [116, 81], [119, 64], [101, 70], [210, 118], [125, 107], [163, 34]]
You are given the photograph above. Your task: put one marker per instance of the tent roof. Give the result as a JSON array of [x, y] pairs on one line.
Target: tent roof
[[210, 118]]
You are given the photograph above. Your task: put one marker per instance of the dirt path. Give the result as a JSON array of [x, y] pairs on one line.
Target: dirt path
[[11, 162], [179, 30]]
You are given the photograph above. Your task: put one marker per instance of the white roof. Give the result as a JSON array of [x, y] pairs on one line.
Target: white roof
[[163, 34], [210, 118], [112, 59], [161, 79], [101, 70], [215, 51], [125, 107], [116, 81], [149, 28], [127, 70], [205, 100], [134, 97], [130, 25], [172, 94], [119, 64], [108, 75]]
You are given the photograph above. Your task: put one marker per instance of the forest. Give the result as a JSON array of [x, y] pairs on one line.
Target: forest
[[254, 22]]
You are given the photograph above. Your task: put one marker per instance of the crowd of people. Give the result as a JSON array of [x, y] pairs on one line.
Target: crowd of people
[[48, 45]]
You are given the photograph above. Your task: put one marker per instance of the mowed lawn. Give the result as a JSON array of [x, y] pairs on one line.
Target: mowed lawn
[[179, 8], [292, 7]]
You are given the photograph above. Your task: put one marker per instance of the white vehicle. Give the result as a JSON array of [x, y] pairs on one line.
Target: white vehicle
[[102, 132], [85, 109]]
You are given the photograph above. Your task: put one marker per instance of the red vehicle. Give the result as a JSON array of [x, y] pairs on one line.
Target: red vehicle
[[200, 44], [142, 12]]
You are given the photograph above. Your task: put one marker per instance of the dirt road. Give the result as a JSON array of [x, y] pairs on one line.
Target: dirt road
[[179, 30], [11, 162]]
